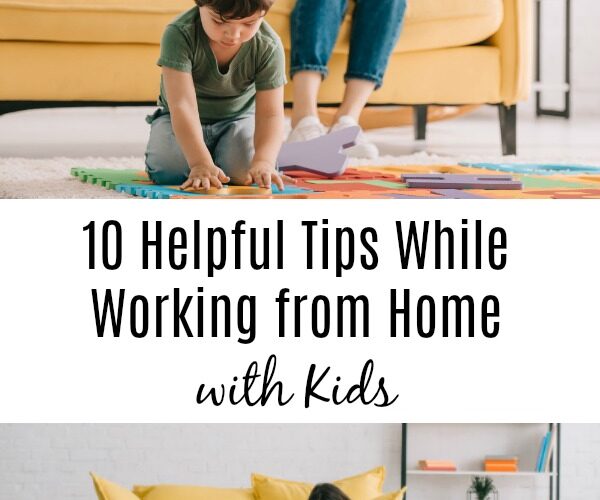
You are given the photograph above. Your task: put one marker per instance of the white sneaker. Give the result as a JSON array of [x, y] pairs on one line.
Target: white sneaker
[[363, 148], [310, 127]]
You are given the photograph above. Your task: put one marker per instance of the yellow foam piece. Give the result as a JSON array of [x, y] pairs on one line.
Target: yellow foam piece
[[232, 191]]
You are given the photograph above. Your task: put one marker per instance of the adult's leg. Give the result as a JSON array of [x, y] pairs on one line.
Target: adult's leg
[[356, 95], [306, 90], [315, 25], [376, 26], [234, 147]]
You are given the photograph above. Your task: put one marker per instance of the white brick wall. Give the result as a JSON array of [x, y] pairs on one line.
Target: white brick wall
[[51, 462]]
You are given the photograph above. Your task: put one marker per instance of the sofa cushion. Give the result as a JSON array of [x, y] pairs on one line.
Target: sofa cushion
[[107, 490], [365, 486], [91, 21], [174, 492], [429, 24], [394, 495]]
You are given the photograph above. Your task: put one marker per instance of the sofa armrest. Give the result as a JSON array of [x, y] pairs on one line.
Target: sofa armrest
[[514, 39]]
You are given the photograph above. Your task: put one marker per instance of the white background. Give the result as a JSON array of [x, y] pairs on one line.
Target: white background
[[542, 366]]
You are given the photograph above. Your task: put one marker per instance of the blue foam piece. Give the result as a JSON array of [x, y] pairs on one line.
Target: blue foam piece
[[535, 168], [290, 189]]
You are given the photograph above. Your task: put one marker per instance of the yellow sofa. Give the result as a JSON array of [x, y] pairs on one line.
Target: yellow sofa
[[74, 52]]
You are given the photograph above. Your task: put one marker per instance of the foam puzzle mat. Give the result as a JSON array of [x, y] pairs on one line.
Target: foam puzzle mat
[[537, 181]]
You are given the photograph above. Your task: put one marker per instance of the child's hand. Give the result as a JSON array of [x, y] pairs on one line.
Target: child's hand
[[263, 173], [205, 176]]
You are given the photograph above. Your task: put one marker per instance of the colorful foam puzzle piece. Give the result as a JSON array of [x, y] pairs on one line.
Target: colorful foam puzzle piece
[[457, 194], [397, 196], [579, 194], [322, 155], [349, 174], [535, 168], [461, 181], [135, 182], [165, 192], [232, 191], [345, 186], [546, 182], [110, 178]]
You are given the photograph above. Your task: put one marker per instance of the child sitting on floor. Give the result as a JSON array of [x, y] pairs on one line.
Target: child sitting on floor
[[327, 491], [220, 115]]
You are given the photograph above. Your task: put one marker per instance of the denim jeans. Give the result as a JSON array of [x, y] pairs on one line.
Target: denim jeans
[[376, 25], [230, 142]]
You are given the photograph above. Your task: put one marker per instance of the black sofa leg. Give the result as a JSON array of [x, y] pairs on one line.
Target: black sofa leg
[[420, 121], [508, 128]]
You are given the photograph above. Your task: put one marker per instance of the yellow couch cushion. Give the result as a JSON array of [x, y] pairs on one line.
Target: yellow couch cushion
[[394, 495], [429, 24], [365, 486], [107, 490], [90, 21], [174, 492]]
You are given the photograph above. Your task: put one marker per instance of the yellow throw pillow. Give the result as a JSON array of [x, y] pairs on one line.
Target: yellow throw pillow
[[110, 491], [173, 492], [365, 486], [394, 495]]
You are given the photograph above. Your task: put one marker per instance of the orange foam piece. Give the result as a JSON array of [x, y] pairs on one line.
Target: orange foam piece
[[347, 187], [349, 174], [398, 170]]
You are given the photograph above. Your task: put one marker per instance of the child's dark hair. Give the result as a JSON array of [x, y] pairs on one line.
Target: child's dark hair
[[327, 491], [236, 9]]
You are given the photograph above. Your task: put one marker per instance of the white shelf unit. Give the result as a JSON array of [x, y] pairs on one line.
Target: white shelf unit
[[441, 442], [416, 472]]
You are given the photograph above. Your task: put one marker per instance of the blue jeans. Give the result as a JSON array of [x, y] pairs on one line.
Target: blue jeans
[[376, 26], [230, 142]]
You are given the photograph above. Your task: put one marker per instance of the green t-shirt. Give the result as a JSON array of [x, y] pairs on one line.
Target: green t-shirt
[[259, 65]]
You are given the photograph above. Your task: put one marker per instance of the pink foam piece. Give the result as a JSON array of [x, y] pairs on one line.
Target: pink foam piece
[[322, 155]]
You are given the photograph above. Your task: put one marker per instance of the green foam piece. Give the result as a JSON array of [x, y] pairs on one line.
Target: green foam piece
[[386, 184], [533, 182], [110, 178]]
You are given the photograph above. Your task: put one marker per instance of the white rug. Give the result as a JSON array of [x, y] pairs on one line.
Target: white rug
[[50, 178]]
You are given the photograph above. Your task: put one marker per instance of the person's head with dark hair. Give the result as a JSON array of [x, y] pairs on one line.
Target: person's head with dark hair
[[327, 491], [236, 9], [231, 23]]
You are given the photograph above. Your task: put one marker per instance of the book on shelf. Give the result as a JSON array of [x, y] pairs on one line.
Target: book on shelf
[[542, 453], [501, 463], [500, 467], [437, 465], [549, 449]]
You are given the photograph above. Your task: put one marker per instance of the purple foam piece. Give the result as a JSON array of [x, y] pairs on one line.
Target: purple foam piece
[[457, 194], [460, 181], [322, 155]]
